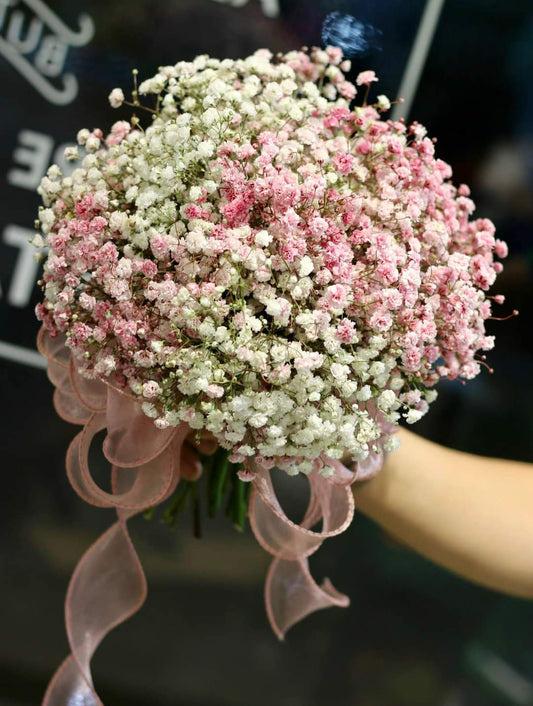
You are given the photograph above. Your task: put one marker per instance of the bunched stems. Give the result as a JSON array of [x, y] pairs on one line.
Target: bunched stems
[[222, 485]]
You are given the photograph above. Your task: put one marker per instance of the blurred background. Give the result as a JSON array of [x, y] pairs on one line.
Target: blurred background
[[414, 635]]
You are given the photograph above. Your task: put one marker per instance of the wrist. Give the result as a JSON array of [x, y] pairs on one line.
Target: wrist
[[372, 495]]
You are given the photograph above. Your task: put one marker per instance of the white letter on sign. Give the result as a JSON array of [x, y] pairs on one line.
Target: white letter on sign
[[50, 59], [26, 267], [34, 153]]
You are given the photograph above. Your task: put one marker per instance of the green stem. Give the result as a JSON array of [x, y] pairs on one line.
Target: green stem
[[217, 484], [237, 508], [178, 504]]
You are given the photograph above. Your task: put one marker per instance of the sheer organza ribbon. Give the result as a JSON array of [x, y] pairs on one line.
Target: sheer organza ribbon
[[108, 584]]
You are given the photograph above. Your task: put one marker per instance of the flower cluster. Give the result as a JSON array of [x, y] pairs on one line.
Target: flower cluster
[[267, 261]]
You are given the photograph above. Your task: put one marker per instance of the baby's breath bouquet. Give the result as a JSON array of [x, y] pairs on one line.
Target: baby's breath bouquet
[[257, 254]]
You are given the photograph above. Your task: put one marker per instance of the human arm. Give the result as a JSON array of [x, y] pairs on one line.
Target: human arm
[[470, 514]]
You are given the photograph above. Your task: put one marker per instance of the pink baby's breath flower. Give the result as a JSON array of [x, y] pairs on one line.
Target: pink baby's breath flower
[[334, 55], [214, 391], [344, 163], [121, 128], [81, 332], [381, 320], [160, 246], [346, 331], [365, 78], [147, 267], [119, 289], [347, 90], [87, 301], [151, 389], [144, 358], [501, 249]]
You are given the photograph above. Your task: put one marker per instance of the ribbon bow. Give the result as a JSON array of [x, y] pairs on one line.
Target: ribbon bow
[[108, 584]]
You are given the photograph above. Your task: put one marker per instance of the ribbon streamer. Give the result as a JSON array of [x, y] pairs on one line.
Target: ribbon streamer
[[290, 591], [108, 584]]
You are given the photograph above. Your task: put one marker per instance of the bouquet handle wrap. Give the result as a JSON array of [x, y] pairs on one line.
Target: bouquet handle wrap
[[108, 584]]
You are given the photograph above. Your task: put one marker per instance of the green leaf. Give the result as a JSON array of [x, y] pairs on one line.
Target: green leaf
[[149, 513]]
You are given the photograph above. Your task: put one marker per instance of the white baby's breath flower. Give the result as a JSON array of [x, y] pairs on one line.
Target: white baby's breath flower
[[305, 467], [205, 148], [306, 266], [150, 409], [53, 172], [413, 415], [258, 420], [263, 238], [209, 116], [383, 102], [71, 153], [38, 241], [387, 400], [82, 136], [327, 471], [295, 113], [364, 394], [116, 98], [47, 219], [92, 143], [391, 444]]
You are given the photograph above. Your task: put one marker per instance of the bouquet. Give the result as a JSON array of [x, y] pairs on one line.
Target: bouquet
[[266, 261]]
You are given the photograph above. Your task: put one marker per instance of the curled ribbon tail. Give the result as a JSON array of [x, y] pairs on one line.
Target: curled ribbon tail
[[107, 586], [66, 681], [292, 594]]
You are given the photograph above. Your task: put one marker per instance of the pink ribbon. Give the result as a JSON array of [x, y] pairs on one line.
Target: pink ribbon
[[108, 584]]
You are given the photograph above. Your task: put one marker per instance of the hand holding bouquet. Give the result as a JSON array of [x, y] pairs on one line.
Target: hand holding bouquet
[[268, 264]]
